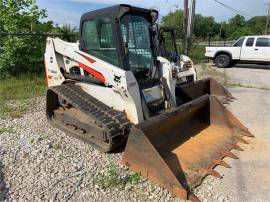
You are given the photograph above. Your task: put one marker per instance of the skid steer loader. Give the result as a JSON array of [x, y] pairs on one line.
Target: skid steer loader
[[115, 89]]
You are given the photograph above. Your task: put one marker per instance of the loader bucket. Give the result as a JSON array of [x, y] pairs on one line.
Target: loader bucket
[[210, 86], [178, 148]]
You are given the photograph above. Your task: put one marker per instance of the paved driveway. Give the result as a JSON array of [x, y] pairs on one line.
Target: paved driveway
[[247, 75], [249, 177]]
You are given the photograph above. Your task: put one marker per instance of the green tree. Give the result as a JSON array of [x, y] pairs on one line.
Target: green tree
[[20, 54], [257, 25], [236, 26], [205, 26], [68, 33], [175, 20]]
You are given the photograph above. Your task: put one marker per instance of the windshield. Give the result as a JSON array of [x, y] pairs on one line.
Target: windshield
[[136, 36], [239, 42], [99, 41]]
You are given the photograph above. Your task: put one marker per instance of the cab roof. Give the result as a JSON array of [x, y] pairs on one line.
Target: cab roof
[[256, 36], [117, 11]]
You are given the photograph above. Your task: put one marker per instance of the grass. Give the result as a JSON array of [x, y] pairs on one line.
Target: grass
[[22, 87], [6, 130], [15, 91], [113, 178], [13, 109], [245, 86], [196, 53], [207, 70]]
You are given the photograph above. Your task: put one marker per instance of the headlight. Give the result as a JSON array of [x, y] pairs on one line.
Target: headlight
[[188, 64], [174, 72]]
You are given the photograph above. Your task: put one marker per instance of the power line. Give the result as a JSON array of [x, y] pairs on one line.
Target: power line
[[33, 34], [235, 10]]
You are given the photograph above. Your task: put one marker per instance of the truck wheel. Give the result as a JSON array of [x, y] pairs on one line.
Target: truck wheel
[[222, 61]]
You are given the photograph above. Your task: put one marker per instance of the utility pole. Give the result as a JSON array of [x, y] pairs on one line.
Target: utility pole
[[267, 19], [192, 21], [191, 25], [185, 25]]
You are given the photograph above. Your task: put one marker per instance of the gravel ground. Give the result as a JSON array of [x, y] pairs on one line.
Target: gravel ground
[[42, 163]]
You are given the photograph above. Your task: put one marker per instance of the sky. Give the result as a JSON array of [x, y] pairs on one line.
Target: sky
[[70, 11]]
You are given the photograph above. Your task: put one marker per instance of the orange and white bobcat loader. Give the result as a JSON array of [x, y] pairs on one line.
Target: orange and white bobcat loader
[[116, 89]]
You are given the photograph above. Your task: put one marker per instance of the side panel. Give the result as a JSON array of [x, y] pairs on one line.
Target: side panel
[[125, 97], [191, 71], [210, 52], [248, 51], [166, 71], [120, 90], [262, 53], [234, 51], [132, 98], [53, 74], [104, 94]]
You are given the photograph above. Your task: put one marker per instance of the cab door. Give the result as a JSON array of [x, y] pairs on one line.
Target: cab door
[[262, 49], [248, 51]]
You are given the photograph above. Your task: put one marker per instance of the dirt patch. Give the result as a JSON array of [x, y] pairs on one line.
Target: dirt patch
[[206, 70]]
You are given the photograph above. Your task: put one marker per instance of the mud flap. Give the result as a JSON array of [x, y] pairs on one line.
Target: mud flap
[[190, 91], [179, 148]]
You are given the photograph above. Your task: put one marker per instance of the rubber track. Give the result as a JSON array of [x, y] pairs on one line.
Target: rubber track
[[115, 123]]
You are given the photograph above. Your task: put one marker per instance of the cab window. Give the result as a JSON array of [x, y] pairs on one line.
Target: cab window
[[239, 43], [263, 42], [250, 41], [99, 41], [135, 33]]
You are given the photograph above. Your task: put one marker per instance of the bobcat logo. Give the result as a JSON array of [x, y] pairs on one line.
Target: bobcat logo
[[117, 78]]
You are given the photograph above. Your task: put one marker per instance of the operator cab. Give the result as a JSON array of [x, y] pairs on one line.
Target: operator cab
[[124, 36], [121, 35]]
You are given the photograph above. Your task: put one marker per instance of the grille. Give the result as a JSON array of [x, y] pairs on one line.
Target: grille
[[75, 71], [188, 64]]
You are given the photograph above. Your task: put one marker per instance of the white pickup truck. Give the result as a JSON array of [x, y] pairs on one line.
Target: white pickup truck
[[247, 49]]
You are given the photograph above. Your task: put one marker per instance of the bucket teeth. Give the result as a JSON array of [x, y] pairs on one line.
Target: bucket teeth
[[242, 140], [230, 154], [247, 133], [222, 163], [237, 147], [212, 172], [193, 198]]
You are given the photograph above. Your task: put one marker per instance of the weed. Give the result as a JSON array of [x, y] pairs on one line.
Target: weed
[[15, 91], [113, 178], [6, 130], [13, 109], [206, 70], [32, 141], [133, 178], [41, 138], [57, 145]]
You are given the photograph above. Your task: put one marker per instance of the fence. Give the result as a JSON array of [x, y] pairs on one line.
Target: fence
[[38, 41], [197, 50], [23, 52]]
